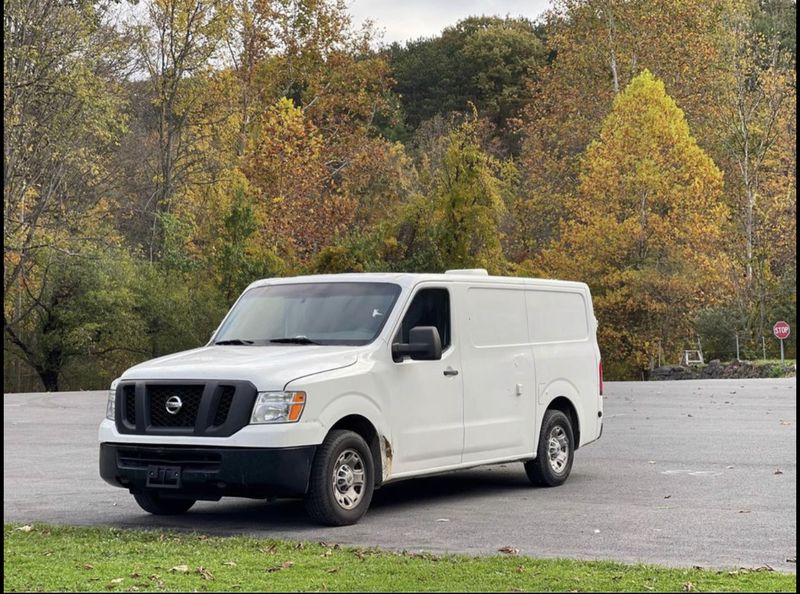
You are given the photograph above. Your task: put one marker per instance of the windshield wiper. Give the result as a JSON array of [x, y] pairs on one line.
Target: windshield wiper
[[234, 341], [294, 340]]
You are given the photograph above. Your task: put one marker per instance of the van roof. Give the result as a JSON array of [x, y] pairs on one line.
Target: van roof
[[407, 279]]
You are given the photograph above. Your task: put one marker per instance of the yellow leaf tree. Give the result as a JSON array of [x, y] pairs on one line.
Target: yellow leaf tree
[[645, 229], [599, 47]]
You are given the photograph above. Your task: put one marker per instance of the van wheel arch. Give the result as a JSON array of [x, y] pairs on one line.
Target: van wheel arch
[[565, 405], [363, 427]]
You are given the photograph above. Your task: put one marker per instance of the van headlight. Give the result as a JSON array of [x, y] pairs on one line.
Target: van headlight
[[112, 399], [278, 407]]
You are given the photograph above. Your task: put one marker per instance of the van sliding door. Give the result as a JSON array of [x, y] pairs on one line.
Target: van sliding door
[[499, 383]]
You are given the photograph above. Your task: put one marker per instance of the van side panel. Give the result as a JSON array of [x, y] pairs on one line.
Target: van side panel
[[561, 328], [499, 383]]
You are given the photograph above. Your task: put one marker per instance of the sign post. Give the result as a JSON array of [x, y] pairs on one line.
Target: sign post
[[781, 331]]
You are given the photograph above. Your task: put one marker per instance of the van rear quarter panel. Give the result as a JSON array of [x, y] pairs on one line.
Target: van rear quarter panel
[[562, 330]]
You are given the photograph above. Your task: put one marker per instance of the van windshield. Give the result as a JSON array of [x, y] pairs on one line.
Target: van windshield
[[309, 313]]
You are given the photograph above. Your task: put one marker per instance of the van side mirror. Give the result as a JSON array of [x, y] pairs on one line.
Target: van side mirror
[[424, 344]]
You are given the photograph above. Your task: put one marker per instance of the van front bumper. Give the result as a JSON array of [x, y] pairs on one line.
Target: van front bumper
[[207, 472]]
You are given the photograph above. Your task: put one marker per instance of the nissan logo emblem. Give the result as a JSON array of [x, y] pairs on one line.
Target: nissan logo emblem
[[173, 405]]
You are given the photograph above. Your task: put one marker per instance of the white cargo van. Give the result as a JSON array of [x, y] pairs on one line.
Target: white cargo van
[[327, 387]]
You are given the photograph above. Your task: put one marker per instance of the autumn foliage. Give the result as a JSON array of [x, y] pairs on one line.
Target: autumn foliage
[[156, 165], [645, 229]]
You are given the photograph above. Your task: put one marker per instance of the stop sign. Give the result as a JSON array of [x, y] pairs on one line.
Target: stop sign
[[781, 330]]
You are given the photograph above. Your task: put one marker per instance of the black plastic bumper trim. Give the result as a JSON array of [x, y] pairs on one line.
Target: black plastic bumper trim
[[210, 472]]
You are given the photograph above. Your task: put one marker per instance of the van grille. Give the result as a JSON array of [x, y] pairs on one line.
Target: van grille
[[129, 394], [190, 404], [225, 401], [211, 408]]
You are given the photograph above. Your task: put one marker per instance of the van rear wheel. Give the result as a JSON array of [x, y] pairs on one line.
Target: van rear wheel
[[555, 452], [342, 480], [162, 506]]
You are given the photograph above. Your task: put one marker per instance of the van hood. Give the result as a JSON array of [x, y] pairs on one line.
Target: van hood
[[266, 367]]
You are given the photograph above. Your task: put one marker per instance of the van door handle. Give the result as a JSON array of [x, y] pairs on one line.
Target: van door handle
[[450, 372]]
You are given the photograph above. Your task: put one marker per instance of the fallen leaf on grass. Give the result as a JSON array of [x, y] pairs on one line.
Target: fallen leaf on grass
[[332, 570], [230, 563], [180, 569], [284, 565], [26, 528], [688, 587], [116, 581], [327, 553], [520, 568], [88, 566], [764, 567], [508, 550], [269, 550], [135, 575], [204, 573], [300, 546]]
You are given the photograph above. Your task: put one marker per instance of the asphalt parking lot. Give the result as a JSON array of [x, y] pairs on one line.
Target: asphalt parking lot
[[686, 473]]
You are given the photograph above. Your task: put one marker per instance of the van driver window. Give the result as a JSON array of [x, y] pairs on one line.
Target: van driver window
[[430, 307]]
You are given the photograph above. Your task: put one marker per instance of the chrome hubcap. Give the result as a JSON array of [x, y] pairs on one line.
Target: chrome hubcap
[[557, 449], [348, 479]]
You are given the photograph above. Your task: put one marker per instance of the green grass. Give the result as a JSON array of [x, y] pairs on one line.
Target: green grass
[[57, 558]]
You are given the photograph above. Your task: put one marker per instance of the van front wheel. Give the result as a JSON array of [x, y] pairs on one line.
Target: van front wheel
[[556, 449], [342, 480]]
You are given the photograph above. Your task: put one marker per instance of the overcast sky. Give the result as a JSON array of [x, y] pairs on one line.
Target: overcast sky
[[402, 20]]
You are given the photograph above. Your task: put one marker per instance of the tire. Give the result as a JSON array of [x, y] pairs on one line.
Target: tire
[[342, 480], [162, 506], [551, 468]]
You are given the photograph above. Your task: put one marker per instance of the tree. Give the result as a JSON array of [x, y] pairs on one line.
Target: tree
[[455, 222], [488, 61], [755, 114], [62, 66], [84, 308], [242, 255], [175, 47], [646, 228], [599, 47]]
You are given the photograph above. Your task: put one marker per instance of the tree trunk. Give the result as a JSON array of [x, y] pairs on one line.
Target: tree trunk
[[49, 378]]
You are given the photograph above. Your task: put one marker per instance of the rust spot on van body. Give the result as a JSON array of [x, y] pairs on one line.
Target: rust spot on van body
[[386, 457]]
